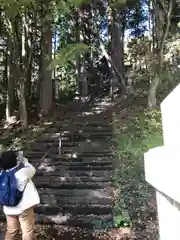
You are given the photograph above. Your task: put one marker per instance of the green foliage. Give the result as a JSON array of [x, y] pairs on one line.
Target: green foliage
[[78, 3], [67, 83], [13, 7], [117, 4], [140, 134], [69, 53], [135, 135]]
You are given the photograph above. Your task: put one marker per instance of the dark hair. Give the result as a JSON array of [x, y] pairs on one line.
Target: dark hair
[[8, 160]]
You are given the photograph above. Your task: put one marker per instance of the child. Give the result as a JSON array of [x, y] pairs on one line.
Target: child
[[23, 214]]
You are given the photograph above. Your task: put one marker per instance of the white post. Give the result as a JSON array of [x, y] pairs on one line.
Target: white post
[[162, 169], [168, 217], [170, 110]]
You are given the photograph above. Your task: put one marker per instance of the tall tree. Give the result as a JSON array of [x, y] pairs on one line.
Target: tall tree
[[162, 11]]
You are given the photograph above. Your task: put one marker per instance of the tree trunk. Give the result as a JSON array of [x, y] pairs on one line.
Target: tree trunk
[[22, 78], [152, 102], [162, 30], [22, 104], [78, 57], [117, 45], [46, 72], [9, 80]]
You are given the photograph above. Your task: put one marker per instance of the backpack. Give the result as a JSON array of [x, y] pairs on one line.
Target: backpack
[[10, 196]]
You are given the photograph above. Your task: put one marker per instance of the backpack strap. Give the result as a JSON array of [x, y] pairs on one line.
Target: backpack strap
[[14, 170]]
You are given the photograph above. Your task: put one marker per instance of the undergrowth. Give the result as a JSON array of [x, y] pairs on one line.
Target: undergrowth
[[136, 131]]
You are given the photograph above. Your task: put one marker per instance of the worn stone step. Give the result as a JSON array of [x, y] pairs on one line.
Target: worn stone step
[[87, 134], [48, 143], [84, 116], [51, 137], [74, 209], [54, 137], [49, 154], [82, 123], [70, 158], [56, 160], [76, 168], [55, 149], [75, 163], [86, 154], [79, 173], [87, 137], [91, 221], [78, 133], [90, 168], [69, 179], [86, 129], [72, 185], [100, 193], [66, 144], [67, 218], [86, 200]]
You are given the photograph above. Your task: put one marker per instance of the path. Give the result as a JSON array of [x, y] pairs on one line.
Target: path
[[75, 187]]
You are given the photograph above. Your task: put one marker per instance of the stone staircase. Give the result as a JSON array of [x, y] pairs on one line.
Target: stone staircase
[[74, 182]]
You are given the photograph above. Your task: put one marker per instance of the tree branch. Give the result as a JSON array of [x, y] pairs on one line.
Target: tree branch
[[112, 64]]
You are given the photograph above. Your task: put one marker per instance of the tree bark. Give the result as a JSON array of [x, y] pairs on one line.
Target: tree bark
[[10, 87], [22, 78], [117, 38], [161, 39], [46, 72], [78, 57]]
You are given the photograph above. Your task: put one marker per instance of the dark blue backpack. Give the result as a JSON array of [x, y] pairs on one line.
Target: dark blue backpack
[[9, 194]]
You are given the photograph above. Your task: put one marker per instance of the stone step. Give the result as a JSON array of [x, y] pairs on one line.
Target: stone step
[[91, 168], [87, 137], [74, 162], [79, 173], [86, 200], [76, 168], [87, 134], [48, 143], [74, 209], [72, 185], [84, 129], [47, 140], [78, 193], [78, 133], [70, 158], [68, 179], [82, 123], [54, 149], [66, 144], [54, 137], [40, 154], [91, 221], [71, 215], [50, 137]]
